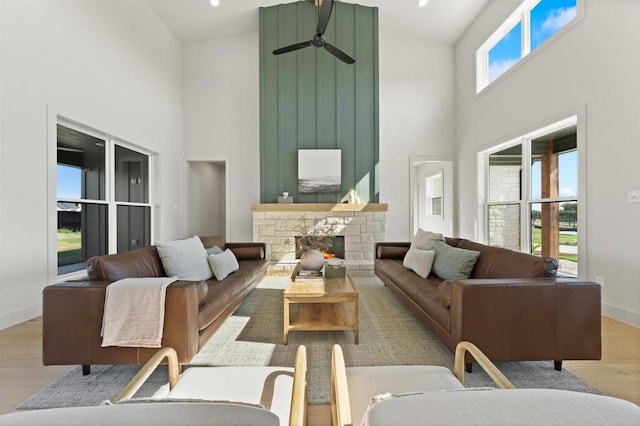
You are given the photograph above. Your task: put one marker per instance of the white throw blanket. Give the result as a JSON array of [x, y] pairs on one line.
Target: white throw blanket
[[134, 312]]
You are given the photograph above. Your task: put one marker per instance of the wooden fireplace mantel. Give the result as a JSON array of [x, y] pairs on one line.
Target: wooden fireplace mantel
[[319, 207]]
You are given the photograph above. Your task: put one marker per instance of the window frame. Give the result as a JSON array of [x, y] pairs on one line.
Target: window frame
[[110, 197], [526, 199], [521, 14]]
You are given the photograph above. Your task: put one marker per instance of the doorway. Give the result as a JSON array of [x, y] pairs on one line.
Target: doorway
[[207, 198], [431, 200]]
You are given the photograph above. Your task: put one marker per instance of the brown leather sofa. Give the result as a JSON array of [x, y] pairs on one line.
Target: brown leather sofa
[[73, 310], [512, 307]]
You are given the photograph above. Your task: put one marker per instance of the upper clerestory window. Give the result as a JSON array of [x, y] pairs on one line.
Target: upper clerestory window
[[529, 26]]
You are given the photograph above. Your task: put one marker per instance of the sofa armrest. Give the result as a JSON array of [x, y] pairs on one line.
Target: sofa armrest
[[391, 250], [247, 251], [528, 318], [72, 321], [180, 321]]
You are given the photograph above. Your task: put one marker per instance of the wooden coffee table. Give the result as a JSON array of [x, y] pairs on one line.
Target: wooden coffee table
[[328, 305]]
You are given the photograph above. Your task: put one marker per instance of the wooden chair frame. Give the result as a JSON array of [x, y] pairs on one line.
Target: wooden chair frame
[[298, 410]]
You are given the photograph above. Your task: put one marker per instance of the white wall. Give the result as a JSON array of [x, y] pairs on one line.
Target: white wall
[[592, 67], [222, 119], [416, 116], [113, 66]]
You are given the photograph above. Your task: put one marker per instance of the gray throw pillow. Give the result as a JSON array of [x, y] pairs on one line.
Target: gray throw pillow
[[452, 263], [223, 264], [214, 250], [184, 259], [419, 261]]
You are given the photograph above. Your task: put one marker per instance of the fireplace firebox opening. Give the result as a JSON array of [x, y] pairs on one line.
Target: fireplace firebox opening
[[336, 250]]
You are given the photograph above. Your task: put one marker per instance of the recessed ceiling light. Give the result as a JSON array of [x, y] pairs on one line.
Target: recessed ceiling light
[[215, 3], [422, 3]]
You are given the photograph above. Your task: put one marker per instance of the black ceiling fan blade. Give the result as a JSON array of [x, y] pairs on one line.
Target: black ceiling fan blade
[[323, 16], [292, 47], [339, 54]]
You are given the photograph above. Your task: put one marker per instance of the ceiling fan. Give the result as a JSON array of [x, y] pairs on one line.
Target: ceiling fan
[[324, 13]]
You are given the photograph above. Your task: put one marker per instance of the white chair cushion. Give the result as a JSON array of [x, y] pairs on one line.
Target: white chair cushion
[[162, 413], [503, 407], [367, 382], [271, 387]]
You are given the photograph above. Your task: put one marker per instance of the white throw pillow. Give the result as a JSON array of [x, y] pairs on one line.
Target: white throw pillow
[[184, 259], [419, 261], [424, 240], [223, 264]]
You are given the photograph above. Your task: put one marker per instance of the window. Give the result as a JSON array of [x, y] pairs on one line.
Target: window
[[102, 200], [532, 195], [528, 27]]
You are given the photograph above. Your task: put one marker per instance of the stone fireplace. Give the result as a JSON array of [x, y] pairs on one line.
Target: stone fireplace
[[360, 225]]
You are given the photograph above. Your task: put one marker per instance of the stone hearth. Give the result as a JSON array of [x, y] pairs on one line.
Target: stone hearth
[[361, 225]]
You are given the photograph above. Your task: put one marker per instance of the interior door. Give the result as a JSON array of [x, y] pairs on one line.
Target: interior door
[[431, 195]]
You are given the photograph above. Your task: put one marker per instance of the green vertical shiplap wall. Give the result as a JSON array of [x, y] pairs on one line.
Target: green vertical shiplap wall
[[309, 99]]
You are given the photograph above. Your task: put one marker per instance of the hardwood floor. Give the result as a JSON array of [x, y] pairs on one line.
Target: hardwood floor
[[22, 372]]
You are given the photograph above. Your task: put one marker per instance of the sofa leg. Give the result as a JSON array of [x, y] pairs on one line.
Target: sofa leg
[[468, 367], [557, 365], [86, 369]]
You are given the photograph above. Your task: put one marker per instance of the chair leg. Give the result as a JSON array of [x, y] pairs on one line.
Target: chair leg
[[557, 365], [86, 369], [468, 367]]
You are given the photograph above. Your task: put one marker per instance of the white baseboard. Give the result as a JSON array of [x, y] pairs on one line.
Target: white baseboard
[[16, 317], [621, 314]]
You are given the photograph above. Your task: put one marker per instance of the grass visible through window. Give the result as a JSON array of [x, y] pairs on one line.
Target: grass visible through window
[[566, 239], [69, 247]]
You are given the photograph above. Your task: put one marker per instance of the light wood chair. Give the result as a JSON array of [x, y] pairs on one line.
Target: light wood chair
[[277, 389], [352, 389], [432, 395]]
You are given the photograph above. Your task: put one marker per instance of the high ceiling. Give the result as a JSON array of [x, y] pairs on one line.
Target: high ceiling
[[194, 21]]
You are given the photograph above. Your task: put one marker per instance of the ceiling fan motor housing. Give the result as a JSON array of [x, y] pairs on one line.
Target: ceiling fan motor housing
[[318, 41]]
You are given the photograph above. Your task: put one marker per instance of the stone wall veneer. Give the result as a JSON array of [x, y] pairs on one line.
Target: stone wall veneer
[[361, 225]]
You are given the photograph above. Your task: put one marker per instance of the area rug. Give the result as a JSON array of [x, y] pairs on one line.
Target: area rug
[[389, 335]]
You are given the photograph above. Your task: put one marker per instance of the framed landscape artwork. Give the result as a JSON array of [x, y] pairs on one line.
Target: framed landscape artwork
[[319, 170]]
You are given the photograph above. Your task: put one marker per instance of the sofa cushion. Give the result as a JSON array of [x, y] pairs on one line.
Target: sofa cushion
[[419, 261], [202, 289], [185, 259], [444, 291], [247, 253], [223, 264], [424, 240], [138, 263], [213, 240], [497, 262], [391, 252], [453, 263]]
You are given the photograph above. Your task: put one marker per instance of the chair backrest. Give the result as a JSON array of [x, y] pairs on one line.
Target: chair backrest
[[341, 413], [297, 410]]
